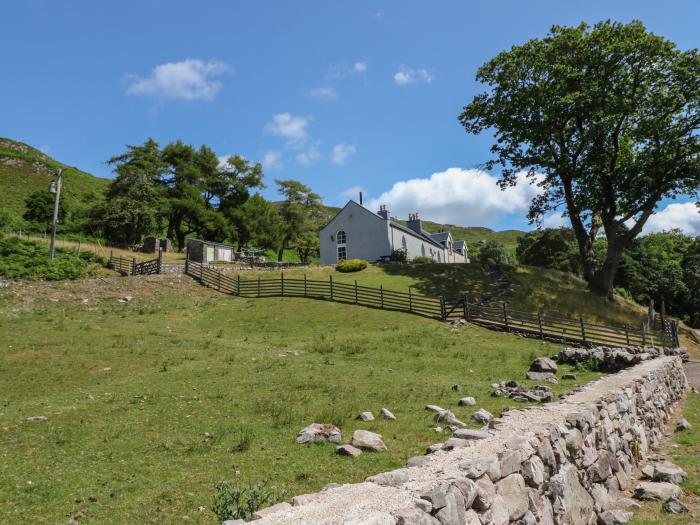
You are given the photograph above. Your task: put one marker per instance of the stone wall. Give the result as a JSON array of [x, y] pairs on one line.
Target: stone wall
[[562, 463]]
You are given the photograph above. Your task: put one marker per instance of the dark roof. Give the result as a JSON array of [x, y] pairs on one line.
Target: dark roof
[[425, 236], [440, 237]]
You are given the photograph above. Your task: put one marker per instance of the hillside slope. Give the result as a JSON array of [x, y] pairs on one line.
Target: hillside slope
[[24, 169]]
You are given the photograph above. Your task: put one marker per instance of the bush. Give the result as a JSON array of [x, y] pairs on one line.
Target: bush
[[351, 265], [493, 253], [399, 256], [21, 259], [422, 260], [235, 500]]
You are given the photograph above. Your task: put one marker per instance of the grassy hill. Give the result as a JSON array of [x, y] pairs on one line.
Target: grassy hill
[[24, 169]]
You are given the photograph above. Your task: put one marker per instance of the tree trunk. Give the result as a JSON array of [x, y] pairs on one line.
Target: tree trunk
[[280, 254], [603, 279]]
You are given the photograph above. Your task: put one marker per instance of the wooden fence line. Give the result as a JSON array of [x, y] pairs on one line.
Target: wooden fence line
[[441, 308]]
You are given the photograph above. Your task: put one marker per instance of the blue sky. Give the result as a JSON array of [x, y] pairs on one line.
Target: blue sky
[[341, 96]]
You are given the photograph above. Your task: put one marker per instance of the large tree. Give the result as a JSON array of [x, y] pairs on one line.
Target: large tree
[[604, 120], [300, 208]]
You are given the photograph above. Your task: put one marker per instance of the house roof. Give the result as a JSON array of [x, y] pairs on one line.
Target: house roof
[[458, 244], [440, 237], [423, 235]]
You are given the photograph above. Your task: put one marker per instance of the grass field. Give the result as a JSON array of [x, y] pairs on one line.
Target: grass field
[[129, 390]]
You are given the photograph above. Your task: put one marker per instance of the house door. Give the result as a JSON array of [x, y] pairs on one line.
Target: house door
[[210, 254]]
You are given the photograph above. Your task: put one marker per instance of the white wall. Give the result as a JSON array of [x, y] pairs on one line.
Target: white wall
[[413, 245]]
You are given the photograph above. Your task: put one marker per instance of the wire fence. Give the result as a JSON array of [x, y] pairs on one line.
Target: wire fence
[[442, 308]]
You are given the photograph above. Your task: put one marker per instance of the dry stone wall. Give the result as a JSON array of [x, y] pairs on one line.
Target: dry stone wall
[[557, 464]]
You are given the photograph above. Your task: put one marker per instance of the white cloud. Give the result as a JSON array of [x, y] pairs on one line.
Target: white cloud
[[405, 76], [324, 93], [682, 215], [292, 128], [354, 194], [341, 153], [556, 220], [190, 79], [343, 70], [458, 196], [310, 155], [272, 161]]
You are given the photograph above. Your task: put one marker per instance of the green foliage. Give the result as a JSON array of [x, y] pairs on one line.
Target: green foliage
[[553, 248], [422, 260], [21, 259], [39, 210], [603, 119], [238, 500], [493, 253], [351, 265], [258, 224], [5, 221], [298, 211], [399, 255]]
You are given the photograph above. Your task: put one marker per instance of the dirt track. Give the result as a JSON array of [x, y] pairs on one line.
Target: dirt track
[[692, 371]]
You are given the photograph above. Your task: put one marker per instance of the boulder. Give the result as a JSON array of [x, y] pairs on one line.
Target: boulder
[[614, 517], [572, 503], [434, 408], [278, 507], [543, 364], [414, 516], [675, 506], [448, 417], [387, 414], [497, 514], [475, 468], [683, 425], [514, 494], [418, 461], [367, 440], [318, 432], [482, 416], [533, 471], [454, 510], [548, 377], [569, 377], [653, 490], [454, 443], [627, 502], [467, 401], [348, 450], [669, 472], [366, 416], [393, 478], [471, 434]]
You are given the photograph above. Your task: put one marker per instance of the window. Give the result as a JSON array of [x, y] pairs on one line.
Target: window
[[342, 253], [422, 250], [341, 238], [403, 243], [439, 259]]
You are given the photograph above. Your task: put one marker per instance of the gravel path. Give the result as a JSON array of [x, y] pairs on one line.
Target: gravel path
[[692, 371]]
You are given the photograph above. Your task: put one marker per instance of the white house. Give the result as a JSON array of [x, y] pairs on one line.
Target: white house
[[357, 233]]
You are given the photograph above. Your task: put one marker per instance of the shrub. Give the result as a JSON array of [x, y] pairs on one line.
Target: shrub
[[493, 253], [351, 265], [238, 500], [399, 256], [422, 260]]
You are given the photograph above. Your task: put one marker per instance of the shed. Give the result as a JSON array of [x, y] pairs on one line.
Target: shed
[[209, 252]]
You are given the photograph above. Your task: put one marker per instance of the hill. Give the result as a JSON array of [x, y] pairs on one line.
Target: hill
[[24, 169]]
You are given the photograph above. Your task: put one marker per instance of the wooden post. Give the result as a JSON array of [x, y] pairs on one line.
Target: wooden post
[[133, 266], [356, 301], [187, 265], [258, 286], [583, 330], [443, 310], [539, 322], [78, 247], [627, 334], [282, 282], [467, 312], [674, 334], [218, 279], [410, 300], [381, 295], [505, 316], [201, 273], [304, 285], [238, 284], [330, 280], [644, 335], [160, 260], [663, 315]]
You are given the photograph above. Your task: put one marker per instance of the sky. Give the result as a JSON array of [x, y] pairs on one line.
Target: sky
[[343, 96]]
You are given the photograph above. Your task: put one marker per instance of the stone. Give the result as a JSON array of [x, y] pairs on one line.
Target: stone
[[675, 506], [434, 448], [475, 468], [497, 514], [37, 418], [414, 516], [509, 462], [434, 408], [648, 471], [367, 440], [623, 479], [653, 490], [569, 377], [448, 417], [456, 388], [467, 401], [614, 517], [528, 519], [393, 478], [469, 490], [231, 522], [347, 450], [424, 505], [512, 491], [318, 432], [471, 434], [543, 364], [627, 502], [472, 518], [278, 507], [454, 443], [387, 414], [600, 470], [418, 461], [533, 471], [574, 440], [304, 499], [482, 416], [669, 472], [366, 416], [485, 494], [683, 425], [572, 503], [455, 509], [548, 377], [437, 497]]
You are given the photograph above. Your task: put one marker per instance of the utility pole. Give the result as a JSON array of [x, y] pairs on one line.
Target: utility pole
[[55, 212]]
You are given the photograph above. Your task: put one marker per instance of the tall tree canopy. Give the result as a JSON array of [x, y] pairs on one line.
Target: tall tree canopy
[[605, 121], [298, 211]]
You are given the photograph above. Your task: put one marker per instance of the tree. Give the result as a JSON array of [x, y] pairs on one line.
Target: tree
[[258, 223], [691, 276], [39, 209], [604, 120], [549, 248], [298, 210], [493, 253]]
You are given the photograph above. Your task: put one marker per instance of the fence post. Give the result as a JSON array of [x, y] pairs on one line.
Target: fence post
[[674, 334], [505, 316], [539, 322], [238, 285], [258, 286], [381, 295], [187, 265], [304, 285], [627, 334], [330, 280], [467, 312], [356, 301], [282, 282], [583, 330], [218, 279], [644, 335], [201, 273], [443, 315], [133, 266], [160, 260], [410, 300]]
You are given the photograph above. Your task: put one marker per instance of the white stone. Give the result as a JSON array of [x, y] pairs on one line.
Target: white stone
[[367, 440]]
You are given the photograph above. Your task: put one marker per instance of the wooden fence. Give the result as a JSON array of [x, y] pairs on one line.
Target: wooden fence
[[127, 266], [441, 308]]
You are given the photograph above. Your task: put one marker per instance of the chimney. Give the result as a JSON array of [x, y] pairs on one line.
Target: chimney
[[414, 222], [360, 198], [383, 212]]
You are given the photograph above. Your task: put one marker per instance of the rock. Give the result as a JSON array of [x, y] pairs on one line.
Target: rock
[[482, 416], [437, 429], [424, 505], [542, 376], [683, 425], [304, 499], [533, 471], [514, 494], [457, 388], [475, 468], [348, 450], [278, 507], [648, 471], [367, 440], [669, 472], [627, 502], [434, 408], [454, 510], [318, 432], [454, 443], [569, 377], [233, 522], [528, 519], [572, 503], [614, 517], [418, 461], [393, 478], [387, 414], [366, 416], [471, 434], [414, 516], [448, 417], [37, 418], [509, 462], [652, 490], [434, 448], [472, 518], [467, 401], [437, 496], [543, 364], [675, 506], [497, 514]]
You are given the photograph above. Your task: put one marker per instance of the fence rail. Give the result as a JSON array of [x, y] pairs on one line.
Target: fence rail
[[127, 266], [441, 308]]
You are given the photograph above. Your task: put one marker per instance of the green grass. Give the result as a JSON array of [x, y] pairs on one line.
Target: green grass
[[130, 389]]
